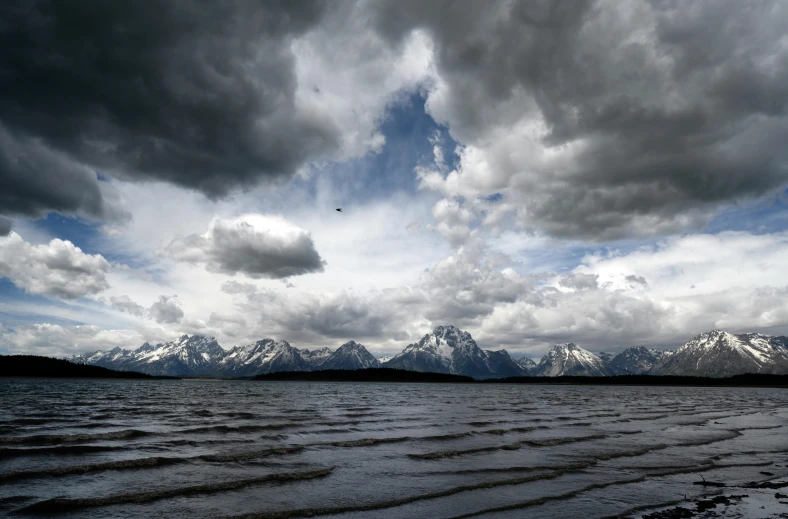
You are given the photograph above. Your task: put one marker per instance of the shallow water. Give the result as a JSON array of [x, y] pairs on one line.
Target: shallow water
[[86, 448]]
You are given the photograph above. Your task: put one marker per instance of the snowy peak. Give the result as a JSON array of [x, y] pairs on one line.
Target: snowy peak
[[195, 350], [315, 358], [721, 354], [450, 350], [710, 340], [451, 335], [433, 353], [350, 355], [263, 356], [187, 355], [527, 364], [570, 360]]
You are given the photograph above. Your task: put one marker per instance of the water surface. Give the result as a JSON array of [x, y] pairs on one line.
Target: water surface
[[204, 448]]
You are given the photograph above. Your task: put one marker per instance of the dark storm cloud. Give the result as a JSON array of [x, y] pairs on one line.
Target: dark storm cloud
[[662, 111], [199, 94], [5, 225], [35, 179]]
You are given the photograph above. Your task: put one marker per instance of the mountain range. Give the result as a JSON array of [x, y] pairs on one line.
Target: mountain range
[[449, 350]]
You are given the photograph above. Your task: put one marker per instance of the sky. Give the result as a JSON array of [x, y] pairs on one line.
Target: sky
[[608, 173]]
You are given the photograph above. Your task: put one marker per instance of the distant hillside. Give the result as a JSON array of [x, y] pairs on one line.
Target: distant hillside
[[365, 375], [35, 366]]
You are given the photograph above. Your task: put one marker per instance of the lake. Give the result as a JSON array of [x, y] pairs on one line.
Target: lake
[[221, 448]]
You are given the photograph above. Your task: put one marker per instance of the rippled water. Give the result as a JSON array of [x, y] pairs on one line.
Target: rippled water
[[290, 449]]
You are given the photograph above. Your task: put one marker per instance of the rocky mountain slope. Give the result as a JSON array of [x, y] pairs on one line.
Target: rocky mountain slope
[[265, 356], [185, 356], [722, 354], [315, 357], [637, 360], [197, 355], [527, 364], [570, 359], [450, 350], [350, 355]]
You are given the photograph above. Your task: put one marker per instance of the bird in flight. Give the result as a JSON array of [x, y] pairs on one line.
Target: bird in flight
[[339, 209]]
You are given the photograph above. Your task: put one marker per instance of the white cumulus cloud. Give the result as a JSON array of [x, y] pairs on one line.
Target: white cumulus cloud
[[58, 269]]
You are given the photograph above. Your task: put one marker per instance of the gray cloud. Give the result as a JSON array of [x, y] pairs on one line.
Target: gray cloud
[[636, 280], [579, 281], [126, 304], [5, 226], [602, 120], [455, 291], [259, 246], [200, 95], [453, 222], [461, 290], [595, 318], [341, 315], [310, 319], [58, 269], [236, 288], [166, 310], [36, 178], [229, 325]]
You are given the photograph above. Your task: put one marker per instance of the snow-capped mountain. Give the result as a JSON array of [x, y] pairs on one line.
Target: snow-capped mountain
[[570, 359], [265, 356], [722, 354], [527, 364], [450, 350], [637, 360], [200, 355], [113, 355], [315, 358], [350, 355], [187, 355]]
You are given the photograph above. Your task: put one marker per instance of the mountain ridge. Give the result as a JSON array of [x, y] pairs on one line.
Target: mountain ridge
[[450, 350]]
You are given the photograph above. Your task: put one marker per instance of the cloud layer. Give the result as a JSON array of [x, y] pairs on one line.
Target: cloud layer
[[607, 119], [259, 246], [660, 296], [5, 226], [56, 340], [58, 269], [166, 310], [214, 98]]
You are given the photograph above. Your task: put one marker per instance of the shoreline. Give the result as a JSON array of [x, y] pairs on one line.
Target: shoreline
[[768, 499], [30, 366]]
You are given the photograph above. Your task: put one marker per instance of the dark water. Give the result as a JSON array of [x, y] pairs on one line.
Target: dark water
[[234, 448]]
